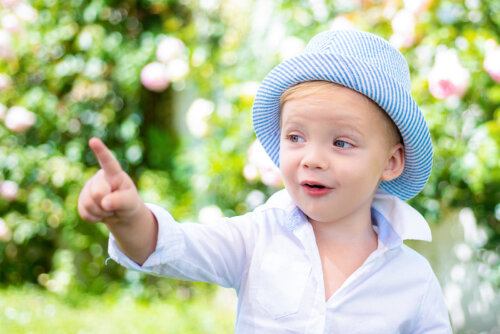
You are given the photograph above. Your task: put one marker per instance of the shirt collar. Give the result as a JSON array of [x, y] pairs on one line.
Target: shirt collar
[[391, 214], [407, 222]]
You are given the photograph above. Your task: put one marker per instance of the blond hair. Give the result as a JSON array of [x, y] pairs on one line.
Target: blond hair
[[307, 88]]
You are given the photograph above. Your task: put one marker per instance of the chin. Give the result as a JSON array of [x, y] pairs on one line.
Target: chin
[[319, 219], [316, 215]]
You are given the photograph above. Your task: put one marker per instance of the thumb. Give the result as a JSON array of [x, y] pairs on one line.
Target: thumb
[[122, 202]]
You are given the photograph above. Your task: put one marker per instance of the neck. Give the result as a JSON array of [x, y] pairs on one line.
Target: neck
[[354, 228]]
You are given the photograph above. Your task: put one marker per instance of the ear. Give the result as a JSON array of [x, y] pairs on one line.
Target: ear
[[395, 163]]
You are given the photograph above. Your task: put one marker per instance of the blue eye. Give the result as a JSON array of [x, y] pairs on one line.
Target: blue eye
[[295, 139], [341, 144]]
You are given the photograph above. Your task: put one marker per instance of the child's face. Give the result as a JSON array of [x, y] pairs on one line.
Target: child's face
[[334, 151]]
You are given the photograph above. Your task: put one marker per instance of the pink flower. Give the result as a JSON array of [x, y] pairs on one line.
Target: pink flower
[[260, 161], [5, 81], [10, 22], [169, 48], [250, 172], [154, 76], [491, 62], [19, 119], [448, 78], [9, 190], [25, 12], [270, 176]]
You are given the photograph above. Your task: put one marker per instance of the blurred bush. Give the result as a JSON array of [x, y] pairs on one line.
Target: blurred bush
[[125, 72], [168, 86]]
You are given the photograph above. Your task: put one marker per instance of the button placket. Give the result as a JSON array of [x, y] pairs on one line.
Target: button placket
[[306, 235]]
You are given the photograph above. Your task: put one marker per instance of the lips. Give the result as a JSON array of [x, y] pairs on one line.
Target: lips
[[314, 188]]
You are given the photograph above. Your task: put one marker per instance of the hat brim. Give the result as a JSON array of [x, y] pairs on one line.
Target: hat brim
[[365, 79]]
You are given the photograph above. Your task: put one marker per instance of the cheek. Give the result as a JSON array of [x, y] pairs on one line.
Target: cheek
[[287, 164], [350, 164], [362, 171], [286, 156], [285, 167]]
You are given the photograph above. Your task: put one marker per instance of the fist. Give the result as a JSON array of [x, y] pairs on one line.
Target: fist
[[110, 195]]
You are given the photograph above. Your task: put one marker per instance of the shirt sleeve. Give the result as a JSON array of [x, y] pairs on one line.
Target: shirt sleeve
[[217, 253], [433, 315]]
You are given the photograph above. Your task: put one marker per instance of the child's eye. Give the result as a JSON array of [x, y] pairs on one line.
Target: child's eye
[[296, 139], [341, 144]]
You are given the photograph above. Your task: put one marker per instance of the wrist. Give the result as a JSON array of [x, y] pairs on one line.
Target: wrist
[[125, 220]]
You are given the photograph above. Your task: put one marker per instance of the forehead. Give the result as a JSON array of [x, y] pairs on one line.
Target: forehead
[[330, 102]]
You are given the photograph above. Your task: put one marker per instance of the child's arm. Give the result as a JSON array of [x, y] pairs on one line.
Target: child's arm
[[218, 253], [110, 196]]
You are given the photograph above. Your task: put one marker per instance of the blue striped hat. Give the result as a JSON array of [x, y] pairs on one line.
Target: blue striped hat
[[368, 64]]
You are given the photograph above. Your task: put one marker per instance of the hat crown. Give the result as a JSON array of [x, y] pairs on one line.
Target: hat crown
[[365, 47]]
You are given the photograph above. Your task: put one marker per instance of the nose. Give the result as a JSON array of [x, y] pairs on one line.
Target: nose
[[315, 158]]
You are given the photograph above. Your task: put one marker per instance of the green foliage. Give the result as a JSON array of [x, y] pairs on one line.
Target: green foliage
[[117, 312], [78, 68]]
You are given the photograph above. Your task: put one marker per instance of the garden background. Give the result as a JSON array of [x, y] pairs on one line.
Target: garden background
[[168, 85]]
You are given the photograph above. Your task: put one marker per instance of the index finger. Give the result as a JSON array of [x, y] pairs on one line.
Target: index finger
[[107, 161]]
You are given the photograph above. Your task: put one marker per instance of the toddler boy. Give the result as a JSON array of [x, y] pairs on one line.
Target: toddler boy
[[325, 255]]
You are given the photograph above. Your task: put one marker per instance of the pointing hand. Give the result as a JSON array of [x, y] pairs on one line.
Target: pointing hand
[[110, 195]]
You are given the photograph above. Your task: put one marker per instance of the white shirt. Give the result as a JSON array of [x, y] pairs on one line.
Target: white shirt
[[270, 257]]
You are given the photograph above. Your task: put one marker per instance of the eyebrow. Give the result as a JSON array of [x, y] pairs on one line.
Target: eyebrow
[[346, 129], [348, 126]]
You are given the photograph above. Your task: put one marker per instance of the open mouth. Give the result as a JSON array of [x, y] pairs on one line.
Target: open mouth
[[314, 186], [315, 189]]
